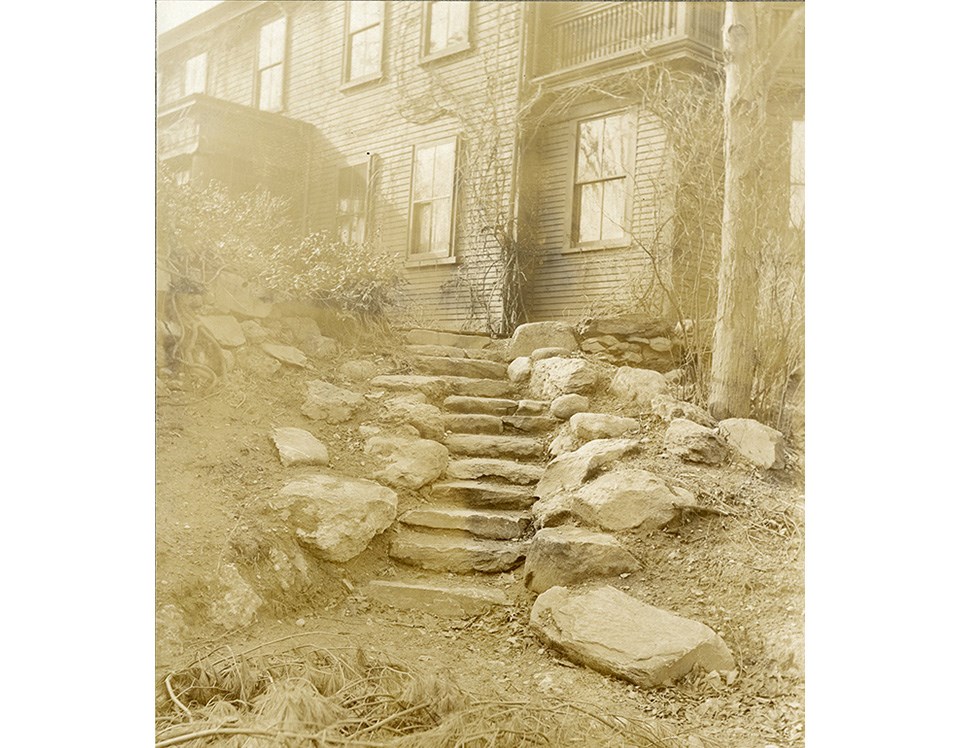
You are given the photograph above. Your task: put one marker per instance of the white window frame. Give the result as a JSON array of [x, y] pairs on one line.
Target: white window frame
[[441, 256], [282, 64], [347, 78], [451, 49]]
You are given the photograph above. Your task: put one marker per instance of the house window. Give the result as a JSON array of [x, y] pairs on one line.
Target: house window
[[432, 199], [447, 27], [364, 44], [601, 189], [797, 176], [195, 75], [270, 56], [353, 203]]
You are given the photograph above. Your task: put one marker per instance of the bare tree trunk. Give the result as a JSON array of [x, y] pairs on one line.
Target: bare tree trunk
[[734, 339]]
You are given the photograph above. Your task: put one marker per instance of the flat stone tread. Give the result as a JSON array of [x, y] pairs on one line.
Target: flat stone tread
[[435, 350], [472, 423], [456, 553], [478, 467], [424, 336], [484, 494], [461, 366], [531, 424], [465, 386], [480, 405], [496, 524], [447, 599], [494, 445]]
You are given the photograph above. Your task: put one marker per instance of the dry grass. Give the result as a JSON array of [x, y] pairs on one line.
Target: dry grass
[[308, 696]]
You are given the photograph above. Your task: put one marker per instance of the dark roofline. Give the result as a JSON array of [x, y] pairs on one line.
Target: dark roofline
[[209, 19]]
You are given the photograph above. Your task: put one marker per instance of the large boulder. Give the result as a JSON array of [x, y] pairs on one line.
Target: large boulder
[[567, 556], [626, 324], [330, 403], [299, 447], [358, 370], [570, 471], [407, 462], [636, 388], [694, 443], [589, 426], [754, 442], [336, 515], [425, 418], [533, 335], [552, 377], [669, 408], [625, 498], [616, 634], [519, 370], [566, 406]]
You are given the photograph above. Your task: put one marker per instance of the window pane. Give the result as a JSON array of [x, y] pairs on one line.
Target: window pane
[[588, 150], [423, 173], [365, 53], [440, 241], [614, 197], [439, 20], [272, 38], [195, 75], [459, 22], [613, 161], [589, 209], [271, 89], [443, 170], [364, 13], [422, 213]]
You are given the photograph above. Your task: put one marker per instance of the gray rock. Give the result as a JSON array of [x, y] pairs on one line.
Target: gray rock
[[407, 462], [570, 471], [238, 603], [337, 515], [224, 329], [330, 403], [489, 467], [616, 634], [589, 426], [626, 324], [552, 377], [299, 447], [694, 443], [661, 345], [635, 388], [320, 347], [493, 445], [460, 555], [482, 494], [754, 442], [483, 523], [458, 601], [533, 335], [286, 354], [542, 353], [519, 369], [592, 346], [567, 556], [565, 406], [426, 419], [563, 442], [254, 331], [531, 424], [357, 371], [256, 362], [484, 405], [234, 295], [669, 408]]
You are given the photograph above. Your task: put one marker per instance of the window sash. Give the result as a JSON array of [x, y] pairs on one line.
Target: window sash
[[271, 56], [364, 39], [448, 25], [432, 198], [600, 189], [353, 184], [271, 89], [195, 75]]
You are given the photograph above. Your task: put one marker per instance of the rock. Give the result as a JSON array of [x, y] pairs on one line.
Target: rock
[[531, 424], [330, 403], [616, 634], [254, 331], [234, 295], [292, 570], [493, 445], [256, 362], [592, 346], [286, 354], [552, 377], [567, 405], [440, 600], [484, 405], [426, 419], [563, 442], [483, 523], [754, 442], [519, 369], [460, 555], [694, 443], [302, 328], [448, 339], [299, 447], [357, 371], [626, 498], [637, 387], [567, 556], [337, 515], [589, 426], [459, 367], [472, 423], [436, 387], [239, 602], [669, 408], [224, 329], [533, 335], [481, 467], [320, 347], [532, 407], [542, 353], [408, 462], [661, 345], [570, 471], [626, 324], [482, 494]]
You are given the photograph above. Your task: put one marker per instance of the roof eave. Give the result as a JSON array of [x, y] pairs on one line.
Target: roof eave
[[206, 21]]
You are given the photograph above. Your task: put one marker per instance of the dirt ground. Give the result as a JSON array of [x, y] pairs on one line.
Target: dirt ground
[[737, 568]]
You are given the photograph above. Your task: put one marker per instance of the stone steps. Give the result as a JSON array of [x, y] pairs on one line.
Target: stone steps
[[452, 339], [489, 445], [456, 553], [472, 423], [449, 600], [438, 387], [502, 524], [460, 367], [492, 406], [531, 424], [450, 351], [472, 493], [470, 468]]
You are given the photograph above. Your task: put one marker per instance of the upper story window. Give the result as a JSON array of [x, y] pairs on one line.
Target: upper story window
[[195, 75], [432, 199], [270, 57], [363, 53], [797, 176], [601, 189], [354, 201], [447, 28]]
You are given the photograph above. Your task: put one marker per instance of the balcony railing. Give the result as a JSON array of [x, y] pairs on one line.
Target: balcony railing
[[577, 34]]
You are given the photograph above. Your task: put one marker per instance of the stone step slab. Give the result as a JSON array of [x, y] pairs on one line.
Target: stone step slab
[[452, 339], [486, 354], [472, 493], [483, 445], [437, 387], [460, 367], [487, 467], [493, 406], [531, 424], [447, 601], [482, 523], [460, 555], [472, 423]]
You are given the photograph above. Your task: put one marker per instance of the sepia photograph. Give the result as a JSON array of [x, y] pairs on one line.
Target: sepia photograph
[[480, 372]]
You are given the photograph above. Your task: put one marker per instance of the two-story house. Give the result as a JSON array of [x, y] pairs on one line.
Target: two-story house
[[487, 144]]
